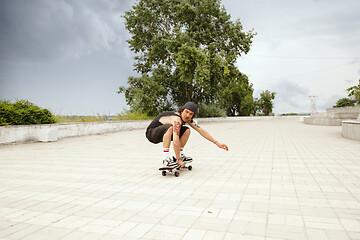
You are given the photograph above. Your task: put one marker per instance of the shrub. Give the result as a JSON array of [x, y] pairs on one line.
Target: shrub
[[210, 110], [23, 112], [290, 114]]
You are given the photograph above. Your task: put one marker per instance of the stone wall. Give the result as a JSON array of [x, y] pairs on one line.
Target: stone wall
[[53, 132]]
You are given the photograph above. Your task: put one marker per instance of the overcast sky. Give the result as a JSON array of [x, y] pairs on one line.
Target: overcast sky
[[71, 56]]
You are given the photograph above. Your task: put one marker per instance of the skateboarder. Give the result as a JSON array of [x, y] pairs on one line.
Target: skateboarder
[[169, 126]]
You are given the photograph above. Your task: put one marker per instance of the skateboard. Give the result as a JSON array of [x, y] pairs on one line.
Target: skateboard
[[174, 170], [171, 170]]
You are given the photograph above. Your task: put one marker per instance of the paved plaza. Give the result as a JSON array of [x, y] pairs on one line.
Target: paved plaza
[[280, 179]]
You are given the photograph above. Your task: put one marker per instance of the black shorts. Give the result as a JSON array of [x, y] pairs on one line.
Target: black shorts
[[155, 135]]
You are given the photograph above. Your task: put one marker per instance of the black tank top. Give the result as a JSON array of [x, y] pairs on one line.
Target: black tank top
[[156, 122]]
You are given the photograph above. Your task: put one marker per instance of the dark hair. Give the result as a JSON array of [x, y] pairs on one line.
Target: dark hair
[[181, 109]]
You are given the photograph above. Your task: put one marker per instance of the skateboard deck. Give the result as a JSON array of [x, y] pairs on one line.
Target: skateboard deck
[[171, 170]]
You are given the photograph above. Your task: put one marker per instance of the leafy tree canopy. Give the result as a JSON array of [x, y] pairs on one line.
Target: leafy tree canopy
[[345, 102], [353, 98], [354, 93], [264, 104], [186, 51]]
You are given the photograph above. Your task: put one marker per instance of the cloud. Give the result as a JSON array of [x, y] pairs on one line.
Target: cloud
[[322, 105], [51, 30], [290, 96], [302, 24], [88, 39]]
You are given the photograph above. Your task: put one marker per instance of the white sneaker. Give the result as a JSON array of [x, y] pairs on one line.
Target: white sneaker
[[168, 162], [186, 159]]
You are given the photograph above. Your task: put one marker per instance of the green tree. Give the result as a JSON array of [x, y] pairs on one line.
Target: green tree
[[354, 93], [185, 50], [344, 102], [265, 103], [147, 93], [237, 94]]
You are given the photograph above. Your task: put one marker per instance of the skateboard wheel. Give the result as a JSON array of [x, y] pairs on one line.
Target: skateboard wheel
[[190, 168], [163, 173], [177, 174]]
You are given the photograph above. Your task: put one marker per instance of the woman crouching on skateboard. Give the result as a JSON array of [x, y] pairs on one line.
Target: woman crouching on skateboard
[[169, 126]]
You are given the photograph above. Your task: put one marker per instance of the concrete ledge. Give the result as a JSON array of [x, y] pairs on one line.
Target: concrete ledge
[[344, 113], [351, 130], [48, 135], [324, 121], [54, 132], [333, 116]]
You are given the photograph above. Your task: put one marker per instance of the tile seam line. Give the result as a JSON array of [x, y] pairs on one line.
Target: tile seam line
[[247, 185], [296, 192], [336, 214], [312, 175]]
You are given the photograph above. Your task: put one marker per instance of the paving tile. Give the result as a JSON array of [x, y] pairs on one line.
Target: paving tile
[[76, 234], [254, 217], [351, 225], [188, 210], [235, 236], [93, 228], [118, 214], [226, 213], [45, 219], [123, 228], [285, 232], [73, 222], [281, 179], [147, 217], [179, 220], [7, 228], [29, 230], [22, 215], [140, 230], [213, 235], [48, 233], [316, 234], [211, 224], [251, 228], [354, 235], [335, 235], [194, 234], [92, 236], [165, 232]]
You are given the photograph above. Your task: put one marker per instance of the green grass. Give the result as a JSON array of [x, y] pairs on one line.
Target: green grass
[[124, 116], [129, 115]]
